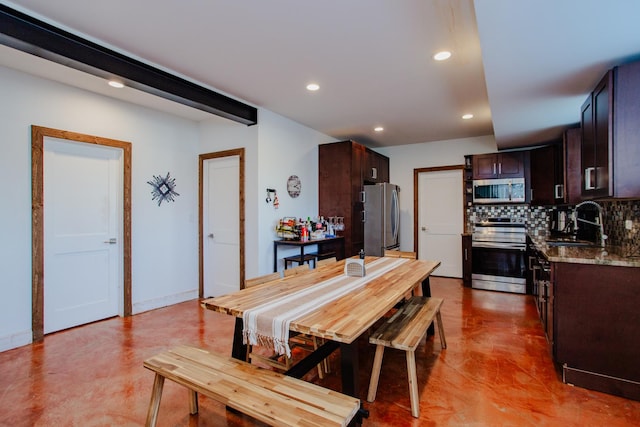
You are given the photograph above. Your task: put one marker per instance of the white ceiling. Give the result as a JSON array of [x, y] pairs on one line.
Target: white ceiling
[[523, 68]]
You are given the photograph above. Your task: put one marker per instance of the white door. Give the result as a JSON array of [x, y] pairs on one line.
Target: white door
[[221, 226], [440, 220], [82, 238]]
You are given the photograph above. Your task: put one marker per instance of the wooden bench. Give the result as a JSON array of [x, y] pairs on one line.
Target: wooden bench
[[265, 395], [404, 330]]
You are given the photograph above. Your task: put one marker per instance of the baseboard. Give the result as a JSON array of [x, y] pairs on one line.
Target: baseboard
[[600, 382], [15, 340], [141, 307]]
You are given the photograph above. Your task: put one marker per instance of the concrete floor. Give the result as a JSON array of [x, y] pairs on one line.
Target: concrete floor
[[496, 371]]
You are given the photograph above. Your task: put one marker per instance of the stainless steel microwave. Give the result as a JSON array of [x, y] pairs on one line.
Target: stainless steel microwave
[[499, 190]]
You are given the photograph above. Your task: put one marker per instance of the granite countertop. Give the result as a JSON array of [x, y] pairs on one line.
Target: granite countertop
[[609, 255]]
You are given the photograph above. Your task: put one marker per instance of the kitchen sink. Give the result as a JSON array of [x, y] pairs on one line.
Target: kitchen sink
[[569, 241]]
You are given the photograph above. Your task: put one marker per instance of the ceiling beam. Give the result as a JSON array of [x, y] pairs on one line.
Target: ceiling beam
[[25, 33]]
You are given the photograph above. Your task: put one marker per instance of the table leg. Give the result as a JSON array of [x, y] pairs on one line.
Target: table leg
[[275, 257], [349, 365], [426, 292], [239, 350]]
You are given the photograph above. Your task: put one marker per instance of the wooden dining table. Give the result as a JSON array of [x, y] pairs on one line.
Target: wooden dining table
[[341, 321]]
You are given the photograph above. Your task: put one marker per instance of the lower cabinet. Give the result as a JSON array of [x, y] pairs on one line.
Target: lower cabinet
[[596, 334]]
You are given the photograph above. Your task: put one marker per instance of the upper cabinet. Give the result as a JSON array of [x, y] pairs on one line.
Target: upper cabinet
[[610, 119], [499, 165], [376, 167], [555, 171], [546, 177], [571, 162]]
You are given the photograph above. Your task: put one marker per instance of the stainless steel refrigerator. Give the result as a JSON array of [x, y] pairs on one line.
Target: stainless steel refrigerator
[[381, 218]]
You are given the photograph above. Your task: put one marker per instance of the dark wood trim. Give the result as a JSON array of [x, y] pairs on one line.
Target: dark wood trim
[[38, 133], [202, 158], [25, 33], [416, 173]]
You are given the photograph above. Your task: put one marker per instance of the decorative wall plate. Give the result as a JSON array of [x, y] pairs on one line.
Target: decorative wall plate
[[163, 188], [294, 186]]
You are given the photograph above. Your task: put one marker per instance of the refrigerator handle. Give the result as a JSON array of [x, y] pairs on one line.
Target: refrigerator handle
[[363, 197], [364, 216], [396, 208]]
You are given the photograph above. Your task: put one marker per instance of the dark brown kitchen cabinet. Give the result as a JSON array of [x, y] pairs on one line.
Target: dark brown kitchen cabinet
[[342, 167], [571, 186], [499, 165], [376, 167], [546, 174], [466, 260], [596, 334], [610, 129]]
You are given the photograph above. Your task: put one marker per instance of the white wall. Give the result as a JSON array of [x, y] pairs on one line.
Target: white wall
[[285, 148], [164, 239], [403, 159], [274, 149]]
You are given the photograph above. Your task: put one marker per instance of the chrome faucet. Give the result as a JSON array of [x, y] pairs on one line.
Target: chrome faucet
[[598, 223]]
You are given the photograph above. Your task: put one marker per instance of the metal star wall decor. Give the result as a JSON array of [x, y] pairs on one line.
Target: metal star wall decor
[[163, 188]]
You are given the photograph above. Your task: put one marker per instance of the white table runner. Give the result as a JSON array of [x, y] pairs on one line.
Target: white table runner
[[268, 324]]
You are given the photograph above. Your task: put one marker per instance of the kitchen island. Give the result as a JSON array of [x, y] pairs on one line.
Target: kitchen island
[[592, 297]]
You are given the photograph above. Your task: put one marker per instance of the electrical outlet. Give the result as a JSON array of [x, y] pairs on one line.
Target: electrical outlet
[[628, 224]]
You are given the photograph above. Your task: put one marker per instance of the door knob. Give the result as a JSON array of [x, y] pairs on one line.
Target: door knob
[[111, 241], [211, 235], [424, 229]]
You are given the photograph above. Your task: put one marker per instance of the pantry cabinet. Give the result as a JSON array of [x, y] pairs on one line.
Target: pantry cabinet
[[610, 129], [344, 167]]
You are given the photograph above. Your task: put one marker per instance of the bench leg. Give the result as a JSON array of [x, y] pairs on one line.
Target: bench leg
[[375, 373], [193, 402], [154, 405], [443, 341], [413, 383]]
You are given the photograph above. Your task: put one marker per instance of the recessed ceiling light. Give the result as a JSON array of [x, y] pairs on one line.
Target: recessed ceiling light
[[467, 116], [441, 56], [116, 84], [313, 87], [378, 129]]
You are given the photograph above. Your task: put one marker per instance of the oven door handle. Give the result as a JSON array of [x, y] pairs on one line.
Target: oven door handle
[[493, 245]]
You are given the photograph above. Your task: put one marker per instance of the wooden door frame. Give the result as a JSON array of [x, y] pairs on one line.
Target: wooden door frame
[[416, 173], [38, 133], [241, 217]]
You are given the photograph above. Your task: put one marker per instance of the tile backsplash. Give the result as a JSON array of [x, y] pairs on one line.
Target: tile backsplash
[[535, 217], [615, 215]]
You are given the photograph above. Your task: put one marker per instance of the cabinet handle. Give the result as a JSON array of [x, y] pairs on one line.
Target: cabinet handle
[[494, 168], [559, 191], [466, 258], [374, 173], [499, 168], [589, 178], [531, 191]]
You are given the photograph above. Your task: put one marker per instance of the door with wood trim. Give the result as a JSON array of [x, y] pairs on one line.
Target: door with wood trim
[[222, 223], [440, 219], [72, 222]]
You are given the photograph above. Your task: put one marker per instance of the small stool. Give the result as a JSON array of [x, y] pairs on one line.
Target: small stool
[[300, 260], [324, 255]]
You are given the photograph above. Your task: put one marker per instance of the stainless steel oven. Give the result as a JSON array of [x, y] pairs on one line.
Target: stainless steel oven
[[499, 261]]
